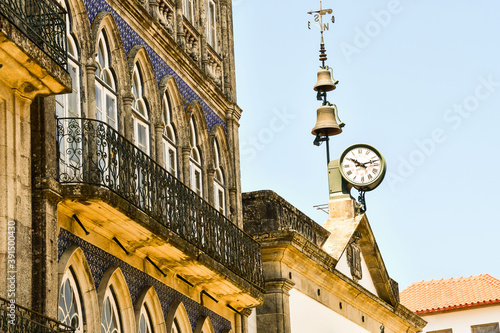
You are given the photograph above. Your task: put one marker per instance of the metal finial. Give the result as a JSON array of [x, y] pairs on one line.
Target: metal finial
[[318, 17]]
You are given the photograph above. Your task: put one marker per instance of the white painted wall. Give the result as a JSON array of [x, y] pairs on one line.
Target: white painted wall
[[460, 321], [307, 315], [366, 280]]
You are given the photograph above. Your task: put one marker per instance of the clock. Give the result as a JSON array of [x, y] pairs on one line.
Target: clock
[[362, 166]]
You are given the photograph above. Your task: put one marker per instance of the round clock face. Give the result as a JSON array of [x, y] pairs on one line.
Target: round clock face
[[362, 166]]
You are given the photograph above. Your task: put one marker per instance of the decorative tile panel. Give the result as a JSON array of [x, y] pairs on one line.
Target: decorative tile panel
[[99, 261], [130, 38]]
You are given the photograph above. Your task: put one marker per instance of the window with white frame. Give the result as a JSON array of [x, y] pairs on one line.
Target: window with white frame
[[145, 325], [141, 124], [68, 106], [169, 138], [211, 24], [110, 320], [196, 175], [189, 10], [105, 87], [219, 190], [70, 308]]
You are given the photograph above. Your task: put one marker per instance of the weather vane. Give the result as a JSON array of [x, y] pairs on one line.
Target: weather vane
[[318, 17]]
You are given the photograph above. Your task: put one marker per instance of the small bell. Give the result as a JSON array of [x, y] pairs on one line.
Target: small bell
[[325, 82], [326, 124]]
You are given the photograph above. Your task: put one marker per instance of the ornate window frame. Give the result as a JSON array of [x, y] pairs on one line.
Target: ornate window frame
[[70, 310], [140, 112], [105, 86], [170, 155], [195, 161], [188, 9], [211, 29], [73, 259], [219, 181]]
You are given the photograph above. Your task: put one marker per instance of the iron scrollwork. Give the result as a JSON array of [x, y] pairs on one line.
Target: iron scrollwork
[[91, 152], [17, 319], [43, 21]]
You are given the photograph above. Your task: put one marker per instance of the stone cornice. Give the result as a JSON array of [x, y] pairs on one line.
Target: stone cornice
[[315, 265]]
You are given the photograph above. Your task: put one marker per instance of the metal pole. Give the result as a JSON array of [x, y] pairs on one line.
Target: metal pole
[[327, 150]]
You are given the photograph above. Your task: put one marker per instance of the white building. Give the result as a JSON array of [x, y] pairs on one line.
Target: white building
[[456, 305]]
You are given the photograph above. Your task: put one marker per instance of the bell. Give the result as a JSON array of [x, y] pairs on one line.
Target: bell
[[326, 123], [325, 82]]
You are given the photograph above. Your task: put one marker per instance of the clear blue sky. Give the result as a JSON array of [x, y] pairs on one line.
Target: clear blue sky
[[419, 80]]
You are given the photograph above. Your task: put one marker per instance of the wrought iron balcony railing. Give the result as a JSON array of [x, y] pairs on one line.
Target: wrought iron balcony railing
[[17, 319], [43, 21], [93, 153]]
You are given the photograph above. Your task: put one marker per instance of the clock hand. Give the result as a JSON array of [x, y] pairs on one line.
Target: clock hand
[[370, 162], [358, 164], [355, 162]]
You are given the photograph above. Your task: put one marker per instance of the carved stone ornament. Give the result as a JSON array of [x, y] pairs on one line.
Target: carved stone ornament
[[354, 257]]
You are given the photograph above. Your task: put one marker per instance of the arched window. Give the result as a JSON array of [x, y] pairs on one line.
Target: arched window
[[145, 321], [70, 308], [105, 87], [189, 9], [175, 327], [220, 192], [141, 119], [211, 24], [195, 160], [68, 106], [110, 320], [169, 138]]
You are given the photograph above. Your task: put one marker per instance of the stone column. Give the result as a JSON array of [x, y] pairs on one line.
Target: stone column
[[185, 177], [232, 73], [203, 36], [153, 9], [180, 24], [45, 197], [237, 323], [235, 183], [232, 205], [159, 144], [91, 107], [244, 319], [15, 194], [127, 127], [210, 186], [274, 314], [224, 49]]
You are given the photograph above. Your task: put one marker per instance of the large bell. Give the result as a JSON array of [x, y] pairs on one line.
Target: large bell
[[325, 82], [326, 124]]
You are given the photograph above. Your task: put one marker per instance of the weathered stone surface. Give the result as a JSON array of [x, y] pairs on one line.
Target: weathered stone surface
[[265, 211]]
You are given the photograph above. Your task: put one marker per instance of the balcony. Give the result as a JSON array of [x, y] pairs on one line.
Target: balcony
[[91, 153], [17, 319], [42, 21]]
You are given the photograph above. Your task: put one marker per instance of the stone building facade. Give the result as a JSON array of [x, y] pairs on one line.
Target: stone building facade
[[121, 199], [328, 278]]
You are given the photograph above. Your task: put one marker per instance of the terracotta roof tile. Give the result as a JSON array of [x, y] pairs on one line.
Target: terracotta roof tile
[[447, 294]]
